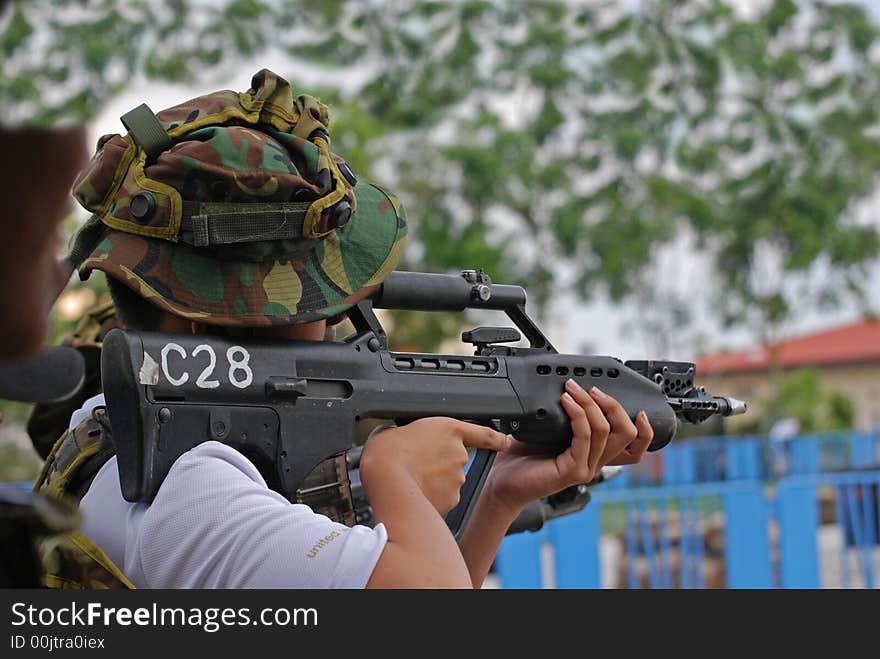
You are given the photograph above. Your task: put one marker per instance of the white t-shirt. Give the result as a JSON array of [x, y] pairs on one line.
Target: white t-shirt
[[215, 524]]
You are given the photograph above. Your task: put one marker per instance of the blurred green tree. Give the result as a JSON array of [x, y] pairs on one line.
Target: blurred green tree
[[800, 395], [556, 144]]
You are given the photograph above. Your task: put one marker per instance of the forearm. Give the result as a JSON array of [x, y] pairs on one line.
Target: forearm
[[483, 535], [421, 551]]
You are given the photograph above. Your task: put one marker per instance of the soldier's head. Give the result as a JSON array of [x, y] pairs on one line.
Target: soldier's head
[[230, 213]]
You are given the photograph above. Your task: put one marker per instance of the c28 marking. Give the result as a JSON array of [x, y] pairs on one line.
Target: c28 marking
[[240, 373]]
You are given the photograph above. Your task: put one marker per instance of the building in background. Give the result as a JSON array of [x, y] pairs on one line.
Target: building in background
[[847, 357]]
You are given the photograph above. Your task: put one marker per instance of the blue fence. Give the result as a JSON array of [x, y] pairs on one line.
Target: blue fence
[[713, 459], [733, 512]]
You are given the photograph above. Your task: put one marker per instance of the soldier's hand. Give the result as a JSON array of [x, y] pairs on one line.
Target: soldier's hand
[[629, 441], [602, 434], [432, 451]]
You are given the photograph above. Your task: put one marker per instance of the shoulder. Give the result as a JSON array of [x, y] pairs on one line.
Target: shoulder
[[212, 477], [215, 523], [215, 458]]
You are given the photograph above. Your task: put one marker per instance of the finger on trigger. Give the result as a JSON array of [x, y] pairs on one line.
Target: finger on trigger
[[474, 436]]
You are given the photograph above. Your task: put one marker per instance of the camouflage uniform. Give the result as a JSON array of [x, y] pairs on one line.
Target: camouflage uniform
[[229, 209]]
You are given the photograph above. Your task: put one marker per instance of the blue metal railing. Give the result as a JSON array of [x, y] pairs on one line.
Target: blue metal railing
[[648, 515], [856, 514], [712, 459], [739, 513]]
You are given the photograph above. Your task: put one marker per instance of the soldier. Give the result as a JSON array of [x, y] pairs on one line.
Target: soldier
[[230, 214]]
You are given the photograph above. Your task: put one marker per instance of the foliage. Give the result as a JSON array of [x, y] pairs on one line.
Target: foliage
[[554, 144], [18, 463], [800, 395]]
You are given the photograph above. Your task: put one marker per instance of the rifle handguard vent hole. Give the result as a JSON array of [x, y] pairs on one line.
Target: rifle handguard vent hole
[[419, 363], [578, 371]]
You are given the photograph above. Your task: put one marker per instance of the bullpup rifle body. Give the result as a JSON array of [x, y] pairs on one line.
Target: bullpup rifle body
[[289, 405]]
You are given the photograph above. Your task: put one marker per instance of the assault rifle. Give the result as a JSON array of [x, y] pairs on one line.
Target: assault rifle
[[290, 405]]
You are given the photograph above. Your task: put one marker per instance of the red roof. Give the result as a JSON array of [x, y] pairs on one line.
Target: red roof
[[859, 342]]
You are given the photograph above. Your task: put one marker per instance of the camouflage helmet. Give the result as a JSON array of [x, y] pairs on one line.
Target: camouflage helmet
[[231, 209]]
